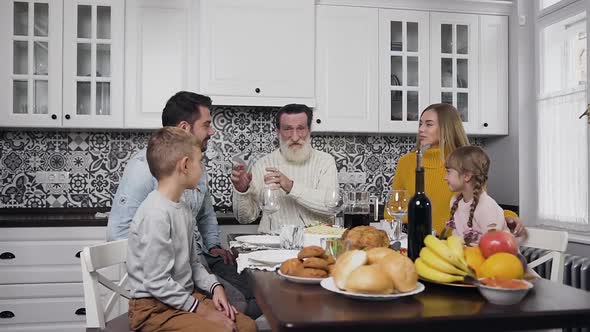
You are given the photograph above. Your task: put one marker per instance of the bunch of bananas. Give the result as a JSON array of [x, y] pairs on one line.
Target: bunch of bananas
[[442, 261]]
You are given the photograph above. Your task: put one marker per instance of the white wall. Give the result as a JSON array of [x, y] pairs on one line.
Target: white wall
[[503, 151]]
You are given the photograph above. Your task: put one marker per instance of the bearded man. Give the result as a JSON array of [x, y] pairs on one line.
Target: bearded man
[[301, 175]]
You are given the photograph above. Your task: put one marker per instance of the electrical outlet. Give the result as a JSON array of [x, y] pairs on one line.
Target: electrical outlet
[[52, 177]]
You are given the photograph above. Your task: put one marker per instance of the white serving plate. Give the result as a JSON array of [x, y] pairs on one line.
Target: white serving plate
[[329, 284], [260, 240], [301, 280], [272, 257]]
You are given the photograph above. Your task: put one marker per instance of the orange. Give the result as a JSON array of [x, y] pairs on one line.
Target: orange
[[501, 264], [474, 257]]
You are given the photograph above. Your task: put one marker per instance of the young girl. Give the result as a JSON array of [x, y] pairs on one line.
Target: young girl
[[473, 212]]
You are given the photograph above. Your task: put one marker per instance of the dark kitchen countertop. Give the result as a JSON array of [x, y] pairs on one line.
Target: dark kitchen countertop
[[73, 217]]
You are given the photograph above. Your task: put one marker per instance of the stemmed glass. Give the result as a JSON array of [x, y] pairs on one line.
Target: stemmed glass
[[334, 200], [269, 202], [397, 207]]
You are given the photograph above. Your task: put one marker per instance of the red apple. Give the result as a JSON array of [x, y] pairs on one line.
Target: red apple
[[498, 241]]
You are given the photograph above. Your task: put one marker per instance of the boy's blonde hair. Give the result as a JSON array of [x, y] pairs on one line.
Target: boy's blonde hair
[[474, 160], [452, 133], [166, 147]]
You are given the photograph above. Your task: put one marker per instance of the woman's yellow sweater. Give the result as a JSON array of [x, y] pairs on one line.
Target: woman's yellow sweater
[[435, 186]]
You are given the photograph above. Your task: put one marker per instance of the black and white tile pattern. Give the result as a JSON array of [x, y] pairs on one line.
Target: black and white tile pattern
[[96, 160]]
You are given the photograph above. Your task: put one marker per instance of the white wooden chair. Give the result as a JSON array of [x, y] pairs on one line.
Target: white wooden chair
[[94, 259], [556, 243]]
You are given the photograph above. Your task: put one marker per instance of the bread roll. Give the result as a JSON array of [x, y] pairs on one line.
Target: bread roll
[[345, 264], [375, 254], [401, 270], [369, 279]]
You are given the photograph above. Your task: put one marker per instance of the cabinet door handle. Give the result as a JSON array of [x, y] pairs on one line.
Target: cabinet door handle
[[485, 124], [257, 90], [78, 254], [81, 312], [67, 116], [7, 255], [6, 314], [54, 117], [318, 121]]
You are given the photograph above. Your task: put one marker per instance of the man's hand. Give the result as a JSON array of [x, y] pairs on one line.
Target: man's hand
[[274, 177], [216, 316], [222, 304], [241, 178], [516, 226], [228, 257]]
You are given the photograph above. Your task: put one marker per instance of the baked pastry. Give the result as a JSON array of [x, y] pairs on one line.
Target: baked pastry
[[316, 263], [346, 263], [401, 271], [311, 251], [312, 273], [375, 254], [291, 267], [366, 237], [369, 279], [330, 259]]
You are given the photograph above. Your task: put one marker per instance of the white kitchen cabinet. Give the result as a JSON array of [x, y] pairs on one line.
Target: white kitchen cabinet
[[455, 64], [493, 74], [257, 52], [64, 63], [41, 278], [31, 71], [347, 69], [158, 61], [93, 63], [404, 54]]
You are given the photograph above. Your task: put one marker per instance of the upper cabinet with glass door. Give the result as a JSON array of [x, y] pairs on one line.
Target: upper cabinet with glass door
[[454, 63], [30, 73], [404, 55], [93, 64]]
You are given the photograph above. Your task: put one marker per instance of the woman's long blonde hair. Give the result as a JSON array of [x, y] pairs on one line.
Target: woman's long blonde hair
[[452, 133]]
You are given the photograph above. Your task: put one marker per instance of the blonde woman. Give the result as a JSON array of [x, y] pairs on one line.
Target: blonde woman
[[440, 127]]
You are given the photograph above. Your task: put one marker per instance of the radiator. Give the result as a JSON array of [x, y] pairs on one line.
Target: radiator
[[577, 268]]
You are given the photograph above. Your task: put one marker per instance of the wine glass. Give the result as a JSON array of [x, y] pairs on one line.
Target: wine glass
[[397, 207], [334, 201], [269, 202]]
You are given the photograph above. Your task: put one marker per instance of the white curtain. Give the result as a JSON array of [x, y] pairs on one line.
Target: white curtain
[[562, 159]]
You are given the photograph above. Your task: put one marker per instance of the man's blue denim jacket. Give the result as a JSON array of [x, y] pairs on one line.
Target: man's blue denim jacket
[[138, 182]]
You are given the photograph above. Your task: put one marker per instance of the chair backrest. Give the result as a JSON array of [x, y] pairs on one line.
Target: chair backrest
[[94, 259], [553, 241]]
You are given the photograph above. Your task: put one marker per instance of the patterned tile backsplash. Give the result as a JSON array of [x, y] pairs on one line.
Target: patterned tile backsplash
[[96, 160]]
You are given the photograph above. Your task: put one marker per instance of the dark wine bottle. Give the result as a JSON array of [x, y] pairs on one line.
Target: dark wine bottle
[[419, 212]]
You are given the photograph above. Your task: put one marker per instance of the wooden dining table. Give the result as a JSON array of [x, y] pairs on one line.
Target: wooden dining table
[[296, 307], [290, 306]]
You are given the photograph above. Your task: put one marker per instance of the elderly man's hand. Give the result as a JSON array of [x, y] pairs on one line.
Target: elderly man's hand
[[241, 178], [274, 177]]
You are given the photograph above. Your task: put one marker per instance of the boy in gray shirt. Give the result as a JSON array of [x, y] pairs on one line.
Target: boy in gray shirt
[[165, 274]]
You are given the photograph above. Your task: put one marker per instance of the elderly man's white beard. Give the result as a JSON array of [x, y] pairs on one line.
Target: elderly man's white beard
[[299, 154]]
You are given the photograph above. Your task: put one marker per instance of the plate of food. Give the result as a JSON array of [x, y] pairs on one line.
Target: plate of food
[[310, 266], [260, 240], [377, 274]]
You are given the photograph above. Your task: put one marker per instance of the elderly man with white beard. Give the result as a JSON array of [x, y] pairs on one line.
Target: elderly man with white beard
[[301, 174]]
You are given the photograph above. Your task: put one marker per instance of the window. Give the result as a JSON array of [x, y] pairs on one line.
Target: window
[[561, 137]]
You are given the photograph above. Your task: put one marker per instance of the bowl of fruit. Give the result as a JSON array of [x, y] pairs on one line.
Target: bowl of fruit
[[504, 291]]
